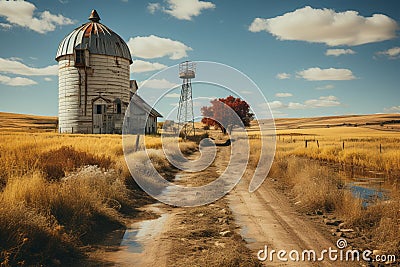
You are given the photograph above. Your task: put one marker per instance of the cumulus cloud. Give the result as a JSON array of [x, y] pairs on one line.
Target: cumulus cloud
[[276, 104], [331, 74], [246, 92], [391, 53], [283, 76], [17, 81], [173, 95], [295, 105], [157, 84], [19, 68], [394, 109], [322, 102], [5, 26], [48, 79], [183, 10], [328, 26], [139, 66], [338, 52], [283, 95], [325, 87], [153, 7], [155, 47], [21, 13]]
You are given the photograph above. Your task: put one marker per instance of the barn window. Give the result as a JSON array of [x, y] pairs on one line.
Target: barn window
[[79, 57], [82, 58], [118, 105], [100, 109]]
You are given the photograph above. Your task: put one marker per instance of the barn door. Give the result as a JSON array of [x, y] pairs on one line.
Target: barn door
[[99, 118]]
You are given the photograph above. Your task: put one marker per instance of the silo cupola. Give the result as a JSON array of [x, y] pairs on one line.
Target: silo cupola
[[94, 16]]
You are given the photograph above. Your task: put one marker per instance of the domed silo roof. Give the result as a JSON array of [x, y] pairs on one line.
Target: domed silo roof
[[97, 38]]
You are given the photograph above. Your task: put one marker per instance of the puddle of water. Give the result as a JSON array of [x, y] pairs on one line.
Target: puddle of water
[[130, 243], [138, 240], [368, 189], [138, 233]]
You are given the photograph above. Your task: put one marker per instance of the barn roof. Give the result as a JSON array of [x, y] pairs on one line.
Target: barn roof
[[144, 106], [97, 38]]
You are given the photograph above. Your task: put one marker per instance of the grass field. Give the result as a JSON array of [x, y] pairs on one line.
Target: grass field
[[61, 192], [38, 205], [300, 172], [373, 145]]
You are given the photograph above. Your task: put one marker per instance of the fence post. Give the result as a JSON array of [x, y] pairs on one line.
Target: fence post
[[317, 144], [380, 148], [306, 143], [343, 145]]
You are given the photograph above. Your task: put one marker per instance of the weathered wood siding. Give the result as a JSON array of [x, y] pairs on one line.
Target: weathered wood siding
[[107, 76]]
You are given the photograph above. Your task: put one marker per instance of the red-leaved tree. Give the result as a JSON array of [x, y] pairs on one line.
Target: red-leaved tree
[[218, 113]]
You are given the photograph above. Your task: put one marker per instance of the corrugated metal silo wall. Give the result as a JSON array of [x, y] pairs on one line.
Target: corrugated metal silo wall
[[107, 76]]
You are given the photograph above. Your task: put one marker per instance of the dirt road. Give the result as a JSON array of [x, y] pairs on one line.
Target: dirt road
[[229, 231]]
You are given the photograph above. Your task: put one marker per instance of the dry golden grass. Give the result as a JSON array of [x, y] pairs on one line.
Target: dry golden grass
[[52, 202], [11, 122], [367, 148], [315, 187], [20, 152]]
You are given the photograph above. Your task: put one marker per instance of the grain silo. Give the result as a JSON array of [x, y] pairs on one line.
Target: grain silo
[[94, 86]]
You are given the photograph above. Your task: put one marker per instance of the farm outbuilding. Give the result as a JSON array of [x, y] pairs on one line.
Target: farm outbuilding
[[94, 82]]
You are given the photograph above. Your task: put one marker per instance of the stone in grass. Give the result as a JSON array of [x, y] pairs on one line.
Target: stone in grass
[[225, 233]]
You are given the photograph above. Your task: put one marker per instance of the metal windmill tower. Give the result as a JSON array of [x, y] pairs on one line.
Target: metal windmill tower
[[185, 110]]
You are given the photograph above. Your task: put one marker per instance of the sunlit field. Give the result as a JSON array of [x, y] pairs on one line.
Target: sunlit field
[[65, 191], [372, 149], [301, 173]]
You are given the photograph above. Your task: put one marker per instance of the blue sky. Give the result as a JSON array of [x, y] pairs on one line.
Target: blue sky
[[309, 58]]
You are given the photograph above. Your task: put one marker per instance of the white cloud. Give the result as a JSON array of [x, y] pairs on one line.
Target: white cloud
[[246, 92], [15, 59], [394, 109], [325, 87], [283, 76], [183, 10], [295, 105], [157, 84], [6, 26], [153, 7], [154, 47], [323, 101], [21, 13], [276, 104], [391, 53], [328, 26], [173, 95], [331, 74], [283, 95], [17, 81], [16, 67], [338, 52], [48, 79], [144, 66]]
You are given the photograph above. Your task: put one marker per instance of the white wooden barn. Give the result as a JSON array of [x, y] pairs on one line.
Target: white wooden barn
[[94, 82]]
